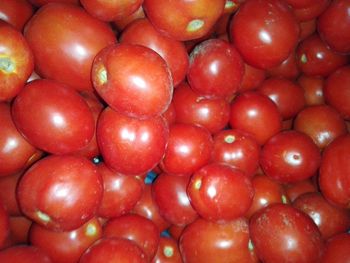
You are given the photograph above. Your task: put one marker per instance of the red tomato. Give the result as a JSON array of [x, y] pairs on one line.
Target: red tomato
[[110, 250], [204, 241], [66, 247], [290, 156], [184, 20], [53, 117], [311, 11], [337, 249], [141, 32], [60, 192], [16, 13], [216, 69], [256, 114], [168, 251], [313, 89], [19, 227], [62, 52], [4, 225], [219, 192], [16, 61], [117, 136], [17, 254], [265, 32], [252, 78], [282, 233]]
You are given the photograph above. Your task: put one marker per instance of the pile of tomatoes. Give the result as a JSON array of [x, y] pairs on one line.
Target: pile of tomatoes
[[205, 131]]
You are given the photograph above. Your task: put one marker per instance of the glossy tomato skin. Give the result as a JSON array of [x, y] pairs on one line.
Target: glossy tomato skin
[[16, 61], [264, 44], [334, 172], [322, 123], [53, 117], [16, 153], [313, 89], [129, 145], [294, 190], [184, 20], [336, 91], [252, 78], [288, 96], [142, 32], [136, 228], [331, 220], [337, 249], [44, 2], [16, 13], [110, 10], [256, 114], [311, 11], [60, 192], [189, 148], [292, 235], [314, 58], [219, 192], [31, 254], [216, 69], [133, 80], [62, 52], [205, 241], [192, 108], [237, 149], [290, 156], [287, 69], [68, 246], [334, 26], [109, 250], [170, 196], [120, 192]]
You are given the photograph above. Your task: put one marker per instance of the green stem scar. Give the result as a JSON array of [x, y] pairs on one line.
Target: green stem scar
[[7, 65], [168, 251], [90, 230], [43, 217], [230, 138], [195, 25]]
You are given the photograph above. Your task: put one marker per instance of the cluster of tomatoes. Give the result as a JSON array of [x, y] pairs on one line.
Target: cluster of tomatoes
[[204, 131]]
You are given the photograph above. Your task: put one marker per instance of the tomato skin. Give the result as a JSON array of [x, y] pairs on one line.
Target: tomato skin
[[168, 251], [60, 192], [31, 254], [53, 27], [53, 117], [292, 235], [16, 61], [336, 91], [205, 241], [331, 220], [109, 250], [170, 196], [311, 11], [337, 249], [216, 69], [189, 148], [184, 20], [142, 32], [252, 78], [313, 89], [68, 246], [16, 13], [261, 44], [118, 134], [133, 80], [4, 225], [136, 228], [251, 112], [290, 156], [219, 192], [334, 26], [334, 172]]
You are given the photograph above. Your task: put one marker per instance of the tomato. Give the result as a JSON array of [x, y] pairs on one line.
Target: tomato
[[4, 225], [53, 117], [141, 32], [31, 254], [290, 156], [252, 78], [281, 233], [134, 80], [264, 32], [216, 69], [204, 241], [237, 149], [16, 61], [311, 11], [168, 251], [117, 135], [109, 250], [334, 26], [19, 230], [189, 148], [337, 249], [184, 20], [256, 114], [16, 13], [136, 228], [66, 246], [192, 108], [219, 192], [60, 192], [313, 89], [62, 52]]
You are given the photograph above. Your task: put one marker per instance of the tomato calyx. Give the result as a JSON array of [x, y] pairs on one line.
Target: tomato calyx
[[7, 65]]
